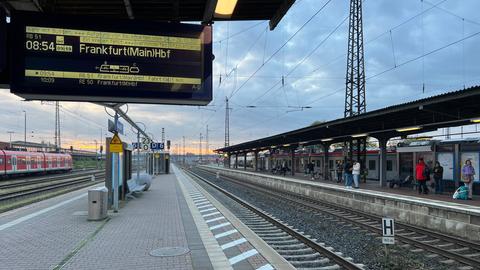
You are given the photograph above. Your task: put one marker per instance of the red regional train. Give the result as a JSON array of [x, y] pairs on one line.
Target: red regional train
[[18, 162]]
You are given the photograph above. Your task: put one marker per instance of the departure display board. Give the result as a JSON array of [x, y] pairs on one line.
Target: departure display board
[[87, 59]]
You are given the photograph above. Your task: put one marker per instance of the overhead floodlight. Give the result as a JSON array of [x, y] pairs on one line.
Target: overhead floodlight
[[286, 145], [476, 120], [225, 8], [359, 135], [327, 140], [409, 129]]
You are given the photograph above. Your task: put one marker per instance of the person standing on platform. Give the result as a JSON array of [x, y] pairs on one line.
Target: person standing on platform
[[421, 173], [339, 171], [438, 176], [348, 168], [356, 173], [468, 176], [311, 169]]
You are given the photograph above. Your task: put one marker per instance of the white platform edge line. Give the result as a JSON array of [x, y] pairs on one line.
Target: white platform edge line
[[220, 226], [227, 233], [243, 256], [266, 267], [207, 210], [34, 214], [204, 206], [233, 243], [214, 219], [211, 214]]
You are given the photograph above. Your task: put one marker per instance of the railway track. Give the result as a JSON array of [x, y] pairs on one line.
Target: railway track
[[33, 188], [452, 249], [37, 180], [301, 250]]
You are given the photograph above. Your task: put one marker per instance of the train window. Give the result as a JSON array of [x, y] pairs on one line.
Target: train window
[[389, 165], [372, 165]]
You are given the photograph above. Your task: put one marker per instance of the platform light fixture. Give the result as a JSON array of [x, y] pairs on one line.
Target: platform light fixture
[[225, 8], [286, 145], [476, 120], [360, 135], [409, 129], [327, 140]]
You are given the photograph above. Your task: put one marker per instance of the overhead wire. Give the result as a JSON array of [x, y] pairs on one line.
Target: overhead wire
[[395, 66], [281, 47]]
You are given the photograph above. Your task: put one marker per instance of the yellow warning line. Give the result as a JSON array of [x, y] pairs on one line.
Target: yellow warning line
[[113, 77]]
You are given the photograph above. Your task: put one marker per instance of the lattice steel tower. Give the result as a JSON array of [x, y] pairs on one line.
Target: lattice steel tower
[[227, 123], [355, 79]]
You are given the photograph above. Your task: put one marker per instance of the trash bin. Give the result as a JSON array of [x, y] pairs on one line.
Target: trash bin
[[97, 203]]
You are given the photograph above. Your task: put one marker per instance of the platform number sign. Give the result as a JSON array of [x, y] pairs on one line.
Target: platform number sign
[[388, 230]]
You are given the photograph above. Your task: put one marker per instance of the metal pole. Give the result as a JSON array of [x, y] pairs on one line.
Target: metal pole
[[25, 131], [138, 155], [115, 172], [10, 133], [96, 154]]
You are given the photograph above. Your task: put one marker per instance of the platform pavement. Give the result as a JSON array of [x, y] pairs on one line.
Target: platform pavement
[[56, 234]]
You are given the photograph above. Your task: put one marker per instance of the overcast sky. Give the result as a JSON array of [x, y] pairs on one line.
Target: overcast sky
[[395, 33]]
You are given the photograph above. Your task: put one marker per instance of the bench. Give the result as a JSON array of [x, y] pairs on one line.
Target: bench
[[135, 188], [401, 183]]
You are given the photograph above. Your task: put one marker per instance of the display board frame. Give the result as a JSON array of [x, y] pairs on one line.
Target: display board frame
[[77, 74]]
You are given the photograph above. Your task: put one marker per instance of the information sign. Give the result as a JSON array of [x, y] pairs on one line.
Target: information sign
[[388, 231], [116, 145], [104, 60], [111, 126], [157, 146]]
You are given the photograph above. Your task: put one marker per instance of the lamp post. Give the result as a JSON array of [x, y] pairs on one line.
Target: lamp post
[[138, 149], [25, 130], [96, 154], [10, 133]]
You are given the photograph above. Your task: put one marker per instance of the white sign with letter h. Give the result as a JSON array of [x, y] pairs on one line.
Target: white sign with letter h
[[388, 230]]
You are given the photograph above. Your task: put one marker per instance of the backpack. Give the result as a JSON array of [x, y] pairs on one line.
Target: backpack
[[461, 193], [426, 172]]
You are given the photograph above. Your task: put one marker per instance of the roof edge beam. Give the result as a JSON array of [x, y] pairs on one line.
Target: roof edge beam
[[280, 13], [209, 11], [128, 7]]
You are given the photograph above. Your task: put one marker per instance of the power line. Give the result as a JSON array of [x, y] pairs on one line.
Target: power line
[[281, 47], [424, 55]]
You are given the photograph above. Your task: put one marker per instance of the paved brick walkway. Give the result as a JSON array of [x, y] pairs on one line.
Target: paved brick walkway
[[150, 222], [56, 233]]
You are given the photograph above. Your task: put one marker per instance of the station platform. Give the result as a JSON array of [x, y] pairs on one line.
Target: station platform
[[436, 212], [374, 186], [173, 225]]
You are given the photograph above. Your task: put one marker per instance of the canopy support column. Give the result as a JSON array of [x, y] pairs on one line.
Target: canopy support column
[[255, 164], [236, 161], [382, 142], [292, 155], [245, 161], [326, 173]]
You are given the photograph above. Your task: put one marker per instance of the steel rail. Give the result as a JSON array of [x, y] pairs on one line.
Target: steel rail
[[53, 177], [341, 261], [31, 191]]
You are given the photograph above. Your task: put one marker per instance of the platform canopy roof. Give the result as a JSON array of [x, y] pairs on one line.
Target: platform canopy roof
[[446, 110], [160, 10]]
